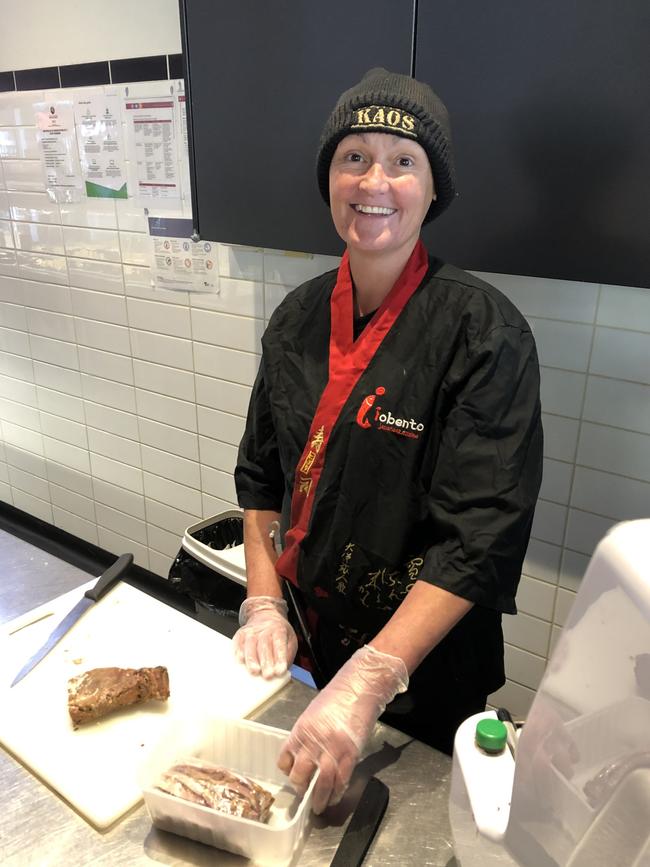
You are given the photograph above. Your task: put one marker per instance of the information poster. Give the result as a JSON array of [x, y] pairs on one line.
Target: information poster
[[183, 147], [99, 132], [153, 149], [177, 262], [58, 146]]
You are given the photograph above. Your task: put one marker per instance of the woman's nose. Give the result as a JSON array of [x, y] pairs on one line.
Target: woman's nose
[[375, 179]]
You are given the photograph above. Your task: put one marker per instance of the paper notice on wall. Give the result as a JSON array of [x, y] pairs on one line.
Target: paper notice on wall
[[177, 262], [58, 146], [101, 152], [183, 147], [153, 149]]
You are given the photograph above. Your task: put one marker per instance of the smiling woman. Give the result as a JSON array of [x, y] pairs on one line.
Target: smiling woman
[[380, 189], [394, 432]]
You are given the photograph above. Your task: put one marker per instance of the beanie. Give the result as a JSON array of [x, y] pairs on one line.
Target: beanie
[[388, 102]]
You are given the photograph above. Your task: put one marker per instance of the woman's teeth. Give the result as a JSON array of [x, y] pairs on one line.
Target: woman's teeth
[[373, 209]]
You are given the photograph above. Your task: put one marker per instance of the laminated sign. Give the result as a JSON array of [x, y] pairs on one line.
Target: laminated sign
[[58, 146], [153, 149], [178, 262], [99, 130]]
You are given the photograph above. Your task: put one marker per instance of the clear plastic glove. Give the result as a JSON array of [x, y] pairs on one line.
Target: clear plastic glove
[[265, 641], [332, 731]]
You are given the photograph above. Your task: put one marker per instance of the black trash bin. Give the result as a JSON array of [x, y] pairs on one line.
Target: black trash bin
[[210, 569]]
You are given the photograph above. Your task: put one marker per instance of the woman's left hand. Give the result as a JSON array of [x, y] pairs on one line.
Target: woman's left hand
[[332, 731]]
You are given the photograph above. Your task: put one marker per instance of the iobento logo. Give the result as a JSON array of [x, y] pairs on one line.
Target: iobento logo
[[372, 415]]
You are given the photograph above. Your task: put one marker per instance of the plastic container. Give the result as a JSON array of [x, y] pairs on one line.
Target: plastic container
[[246, 748]]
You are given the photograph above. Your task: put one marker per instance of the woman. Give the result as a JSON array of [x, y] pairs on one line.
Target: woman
[[394, 431]]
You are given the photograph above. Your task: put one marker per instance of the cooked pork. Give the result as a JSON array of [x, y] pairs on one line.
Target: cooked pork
[[215, 787], [97, 692]]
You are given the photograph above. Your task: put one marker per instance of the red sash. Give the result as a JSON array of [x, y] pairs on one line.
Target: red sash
[[348, 359]]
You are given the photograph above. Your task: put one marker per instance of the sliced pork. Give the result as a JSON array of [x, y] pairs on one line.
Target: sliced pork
[[215, 787]]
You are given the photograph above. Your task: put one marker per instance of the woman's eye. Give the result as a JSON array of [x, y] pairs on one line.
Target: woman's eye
[[405, 162], [354, 157]]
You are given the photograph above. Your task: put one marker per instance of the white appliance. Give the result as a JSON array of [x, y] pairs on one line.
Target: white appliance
[[577, 793]]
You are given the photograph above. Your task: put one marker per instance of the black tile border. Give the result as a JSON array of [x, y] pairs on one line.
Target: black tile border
[[176, 67], [139, 69], [7, 82], [159, 67], [84, 74], [44, 78]]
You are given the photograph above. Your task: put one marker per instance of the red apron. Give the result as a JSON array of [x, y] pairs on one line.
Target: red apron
[[348, 359]]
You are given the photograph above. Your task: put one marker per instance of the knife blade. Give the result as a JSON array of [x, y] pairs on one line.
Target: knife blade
[[106, 581], [363, 825]]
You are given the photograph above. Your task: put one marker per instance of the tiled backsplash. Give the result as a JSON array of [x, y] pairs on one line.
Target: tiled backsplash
[[121, 407]]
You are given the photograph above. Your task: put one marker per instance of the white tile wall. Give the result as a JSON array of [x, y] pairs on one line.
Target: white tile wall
[[162, 349], [93, 274], [243, 297], [622, 354], [121, 406], [90, 213], [174, 440], [106, 365], [34, 207], [38, 238], [40, 266], [76, 525], [102, 306], [6, 235], [46, 296], [101, 244], [617, 403]]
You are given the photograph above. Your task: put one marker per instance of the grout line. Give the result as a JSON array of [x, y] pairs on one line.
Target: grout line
[[545, 620], [537, 578], [575, 458], [517, 683], [587, 373], [524, 649]]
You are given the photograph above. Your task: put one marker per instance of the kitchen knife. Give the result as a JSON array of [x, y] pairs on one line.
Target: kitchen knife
[[319, 678], [110, 577], [363, 825]]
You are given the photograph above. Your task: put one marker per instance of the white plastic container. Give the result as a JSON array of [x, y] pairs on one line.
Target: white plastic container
[[580, 793], [246, 748]]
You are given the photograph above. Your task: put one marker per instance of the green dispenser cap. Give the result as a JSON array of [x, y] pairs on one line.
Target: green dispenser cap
[[491, 735]]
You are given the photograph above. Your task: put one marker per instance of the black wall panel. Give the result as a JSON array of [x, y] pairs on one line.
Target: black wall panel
[[549, 105], [548, 102], [262, 79]]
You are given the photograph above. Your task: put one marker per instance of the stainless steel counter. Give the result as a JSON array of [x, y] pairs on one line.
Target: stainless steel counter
[[38, 828]]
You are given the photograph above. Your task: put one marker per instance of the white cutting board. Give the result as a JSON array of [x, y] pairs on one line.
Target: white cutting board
[[95, 767]]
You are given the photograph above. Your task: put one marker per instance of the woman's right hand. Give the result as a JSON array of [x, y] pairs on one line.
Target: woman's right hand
[[265, 642]]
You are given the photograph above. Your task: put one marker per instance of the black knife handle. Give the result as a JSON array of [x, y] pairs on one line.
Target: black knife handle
[[110, 577], [363, 825]]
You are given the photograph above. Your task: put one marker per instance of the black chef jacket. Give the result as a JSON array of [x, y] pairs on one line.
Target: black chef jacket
[[432, 469]]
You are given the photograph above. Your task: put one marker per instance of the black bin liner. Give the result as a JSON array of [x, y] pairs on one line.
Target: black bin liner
[[216, 597]]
